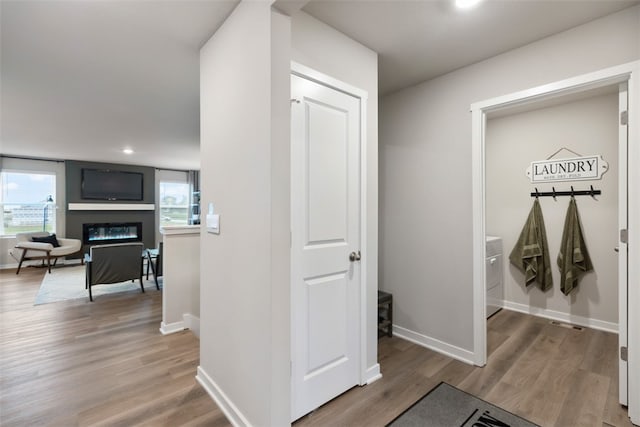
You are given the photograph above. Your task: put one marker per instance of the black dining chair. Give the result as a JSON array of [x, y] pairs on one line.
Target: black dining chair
[[154, 262]]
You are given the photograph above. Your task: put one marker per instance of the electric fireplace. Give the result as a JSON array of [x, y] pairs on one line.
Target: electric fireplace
[[111, 232]]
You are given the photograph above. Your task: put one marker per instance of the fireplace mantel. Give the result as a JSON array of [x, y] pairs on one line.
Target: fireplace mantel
[[112, 206]]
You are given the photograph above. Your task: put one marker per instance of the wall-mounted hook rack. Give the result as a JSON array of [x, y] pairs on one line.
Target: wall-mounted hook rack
[[591, 192]]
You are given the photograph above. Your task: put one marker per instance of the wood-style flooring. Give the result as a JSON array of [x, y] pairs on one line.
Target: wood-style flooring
[[548, 374], [103, 363], [77, 363]]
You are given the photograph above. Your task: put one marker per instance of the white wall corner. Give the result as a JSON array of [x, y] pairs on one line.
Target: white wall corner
[[170, 328], [192, 323], [434, 344], [189, 321], [229, 409], [372, 374]]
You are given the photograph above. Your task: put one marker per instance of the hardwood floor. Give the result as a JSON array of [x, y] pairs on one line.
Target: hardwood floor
[[549, 374], [77, 363]]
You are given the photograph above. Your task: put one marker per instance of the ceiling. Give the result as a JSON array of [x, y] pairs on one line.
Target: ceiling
[[84, 79], [419, 40]]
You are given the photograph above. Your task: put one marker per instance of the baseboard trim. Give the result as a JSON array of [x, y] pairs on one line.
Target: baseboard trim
[[60, 262], [8, 266], [192, 323], [562, 317], [171, 328], [189, 321], [230, 410], [434, 344], [372, 374]]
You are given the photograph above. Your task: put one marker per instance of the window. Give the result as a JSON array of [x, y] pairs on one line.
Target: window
[[174, 203], [27, 202]]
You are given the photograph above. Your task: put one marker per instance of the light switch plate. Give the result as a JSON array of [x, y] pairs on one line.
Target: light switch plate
[[213, 223]]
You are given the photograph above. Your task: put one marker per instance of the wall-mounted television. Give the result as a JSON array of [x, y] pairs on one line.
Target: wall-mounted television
[[105, 184]]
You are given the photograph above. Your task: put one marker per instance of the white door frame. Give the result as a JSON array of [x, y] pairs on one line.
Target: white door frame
[[629, 72], [325, 80], [623, 248]]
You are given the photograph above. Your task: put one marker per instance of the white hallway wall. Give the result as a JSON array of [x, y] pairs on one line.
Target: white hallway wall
[[245, 300], [425, 169], [244, 281], [589, 127]]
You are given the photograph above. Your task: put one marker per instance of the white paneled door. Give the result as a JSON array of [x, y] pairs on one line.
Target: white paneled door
[[325, 245]]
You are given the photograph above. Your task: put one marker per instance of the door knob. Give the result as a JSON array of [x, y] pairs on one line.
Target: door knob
[[354, 256]]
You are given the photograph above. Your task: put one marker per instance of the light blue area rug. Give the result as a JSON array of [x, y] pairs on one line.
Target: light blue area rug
[[67, 283]]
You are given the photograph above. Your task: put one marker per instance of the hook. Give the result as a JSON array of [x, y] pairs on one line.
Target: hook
[[572, 191], [536, 192], [592, 193], [554, 193]]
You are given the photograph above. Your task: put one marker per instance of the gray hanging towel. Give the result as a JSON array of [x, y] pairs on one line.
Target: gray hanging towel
[[573, 258], [531, 253]]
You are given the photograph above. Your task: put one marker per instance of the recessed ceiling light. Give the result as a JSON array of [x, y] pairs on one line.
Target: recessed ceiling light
[[127, 151], [466, 4]]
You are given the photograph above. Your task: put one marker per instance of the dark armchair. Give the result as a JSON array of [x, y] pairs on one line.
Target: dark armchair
[[114, 264]]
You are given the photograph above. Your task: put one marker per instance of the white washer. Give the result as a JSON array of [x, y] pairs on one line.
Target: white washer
[[495, 281]]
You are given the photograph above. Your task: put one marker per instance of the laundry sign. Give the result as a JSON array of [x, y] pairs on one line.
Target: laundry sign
[[573, 169]]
